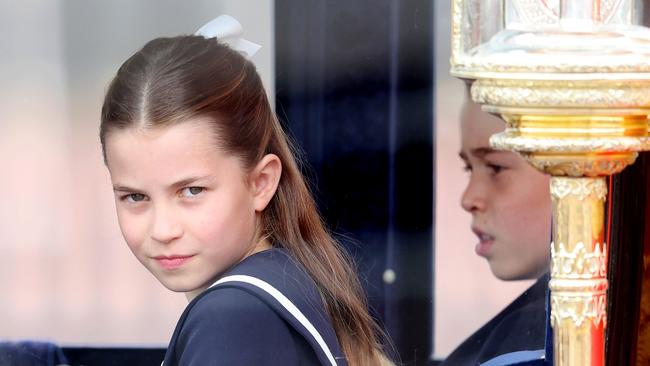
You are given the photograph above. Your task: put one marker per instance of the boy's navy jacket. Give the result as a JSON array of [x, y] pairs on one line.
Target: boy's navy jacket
[[518, 330], [264, 311]]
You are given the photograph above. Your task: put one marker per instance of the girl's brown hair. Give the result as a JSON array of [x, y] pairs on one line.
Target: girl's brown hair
[[172, 80]]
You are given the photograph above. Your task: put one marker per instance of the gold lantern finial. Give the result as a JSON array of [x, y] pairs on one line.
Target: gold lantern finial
[[571, 79]]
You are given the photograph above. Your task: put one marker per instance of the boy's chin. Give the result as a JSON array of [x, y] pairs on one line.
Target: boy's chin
[[508, 274]]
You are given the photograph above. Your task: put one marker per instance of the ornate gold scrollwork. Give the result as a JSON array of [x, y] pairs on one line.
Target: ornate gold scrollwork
[[505, 141], [578, 309], [579, 188], [577, 94], [578, 263], [466, 66], [548, 12], [579, 168]]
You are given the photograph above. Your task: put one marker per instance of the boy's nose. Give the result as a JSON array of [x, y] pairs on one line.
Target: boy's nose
[[473, 198]]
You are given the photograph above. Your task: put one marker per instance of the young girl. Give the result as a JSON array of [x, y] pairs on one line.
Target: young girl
[[211, 201], [510, 204]]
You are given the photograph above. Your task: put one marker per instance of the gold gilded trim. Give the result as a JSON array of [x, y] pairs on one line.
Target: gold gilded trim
[[580, 188], [565, 167], [536, 12], [507, 141], [562, 94], [579, 259], [475, 68], [578, 263], [579, 309], [456, 40]]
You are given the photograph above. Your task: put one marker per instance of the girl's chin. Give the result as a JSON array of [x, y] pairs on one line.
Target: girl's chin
[[180, 287]]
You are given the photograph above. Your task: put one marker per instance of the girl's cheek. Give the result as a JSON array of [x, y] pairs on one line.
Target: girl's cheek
[[133, 229]]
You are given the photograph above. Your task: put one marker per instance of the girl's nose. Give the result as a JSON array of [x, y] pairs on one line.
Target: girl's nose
[[165, 227]]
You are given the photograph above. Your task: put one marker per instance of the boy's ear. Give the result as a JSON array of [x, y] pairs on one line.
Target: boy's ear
[[264, 180]]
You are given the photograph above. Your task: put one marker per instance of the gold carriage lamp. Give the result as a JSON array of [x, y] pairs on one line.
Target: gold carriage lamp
[[571, 79]]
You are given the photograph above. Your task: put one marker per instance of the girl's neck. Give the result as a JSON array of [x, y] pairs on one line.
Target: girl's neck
[[258, 246]]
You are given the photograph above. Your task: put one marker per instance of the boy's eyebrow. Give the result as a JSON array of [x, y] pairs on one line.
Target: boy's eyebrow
[[482, 151], [478, 152]]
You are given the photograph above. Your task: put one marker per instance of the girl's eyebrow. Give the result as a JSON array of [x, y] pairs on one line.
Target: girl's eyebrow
[[121, 188], [190, 180], [181, 183]]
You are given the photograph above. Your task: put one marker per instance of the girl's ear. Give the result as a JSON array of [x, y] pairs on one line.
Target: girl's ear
[[264, 180]]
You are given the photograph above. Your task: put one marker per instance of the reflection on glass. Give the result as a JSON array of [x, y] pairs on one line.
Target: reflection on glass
[[571, 80], [510, 204], [520, 35]]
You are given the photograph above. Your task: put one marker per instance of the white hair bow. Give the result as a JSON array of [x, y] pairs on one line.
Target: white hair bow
[[228, 30]]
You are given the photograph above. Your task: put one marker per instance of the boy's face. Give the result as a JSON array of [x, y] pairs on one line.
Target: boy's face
[[509, 201], [184, 206]]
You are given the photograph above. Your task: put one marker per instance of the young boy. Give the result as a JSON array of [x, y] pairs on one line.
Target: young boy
[[510, 204]]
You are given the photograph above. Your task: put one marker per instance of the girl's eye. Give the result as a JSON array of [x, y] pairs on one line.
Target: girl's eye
[[467, 168], [191, 191], [134, 197]]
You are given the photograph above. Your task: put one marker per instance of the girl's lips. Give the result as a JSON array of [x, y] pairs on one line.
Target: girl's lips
[[172, 262]]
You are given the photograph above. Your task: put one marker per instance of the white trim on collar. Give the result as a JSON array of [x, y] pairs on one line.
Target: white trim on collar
[[284, 301]]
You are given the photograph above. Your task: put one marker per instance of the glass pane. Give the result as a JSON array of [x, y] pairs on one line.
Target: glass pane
[[526, 35]]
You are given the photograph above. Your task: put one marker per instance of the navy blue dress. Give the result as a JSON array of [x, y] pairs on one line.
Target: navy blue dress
[[264, 311]]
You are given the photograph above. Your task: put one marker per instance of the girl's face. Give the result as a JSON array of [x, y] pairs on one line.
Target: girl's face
[[509, 201], [187, 210]]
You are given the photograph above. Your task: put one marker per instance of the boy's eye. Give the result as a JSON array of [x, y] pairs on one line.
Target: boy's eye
[[134, 197], [467, 168], [191, 191], [495, 169]]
